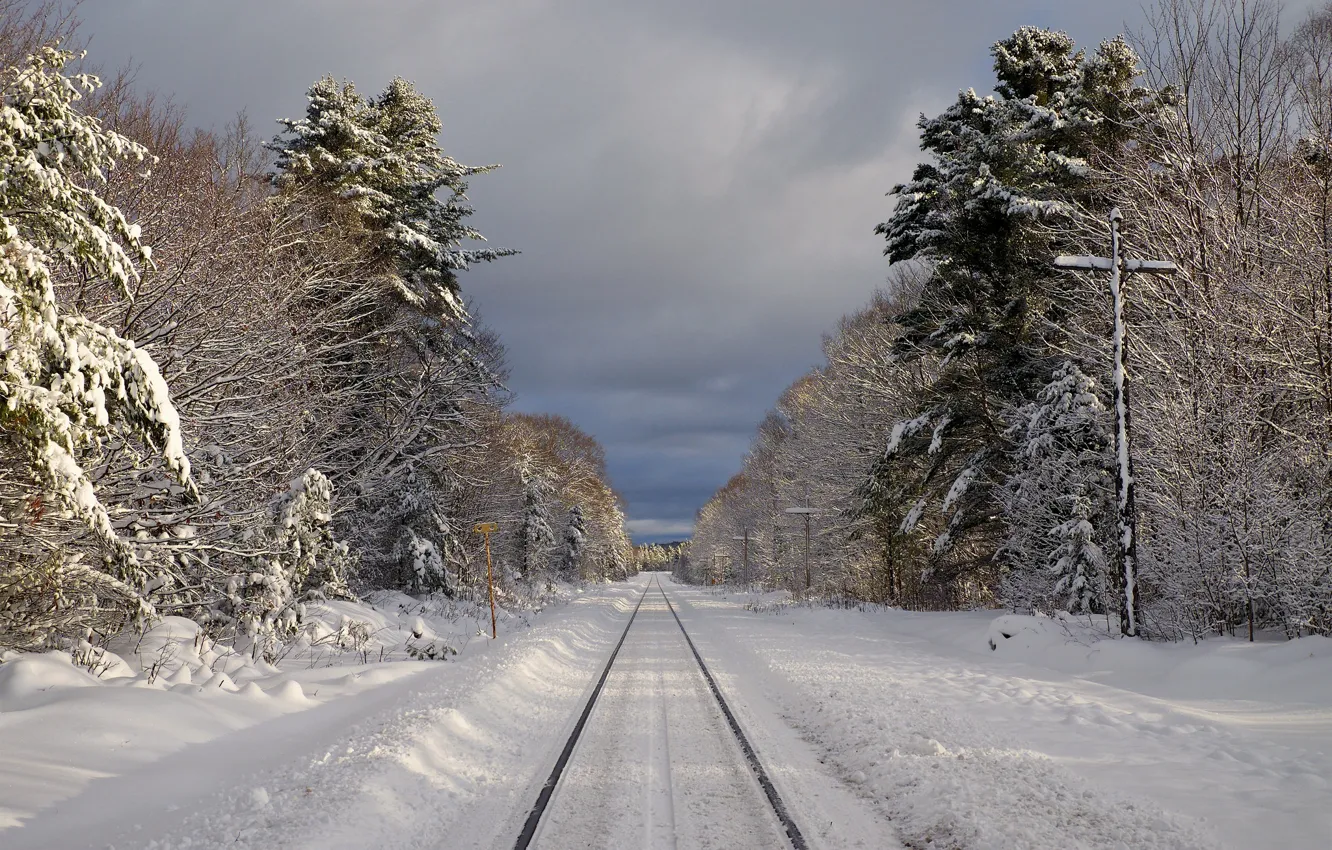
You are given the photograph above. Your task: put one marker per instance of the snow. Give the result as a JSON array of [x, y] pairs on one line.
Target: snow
[[1055, 738], [657, 758], [145, 697], [968, 730]]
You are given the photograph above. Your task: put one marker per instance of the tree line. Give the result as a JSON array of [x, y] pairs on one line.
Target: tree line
[[238, 376], [958, 444]]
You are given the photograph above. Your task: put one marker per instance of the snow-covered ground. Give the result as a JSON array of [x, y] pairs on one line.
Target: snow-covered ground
[[880, 729], [1048, 740], [162, 724]]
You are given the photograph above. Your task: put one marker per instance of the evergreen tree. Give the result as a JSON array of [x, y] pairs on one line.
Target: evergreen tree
[[537, 536], [425, 542], [991, 316], [1059, 501], [575, 540], [67, 384], [380, 162], [307, 564], [374, 168]]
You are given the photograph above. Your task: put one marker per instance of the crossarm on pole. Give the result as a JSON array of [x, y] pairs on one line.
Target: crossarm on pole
[[1089, 263], [1150, 266]]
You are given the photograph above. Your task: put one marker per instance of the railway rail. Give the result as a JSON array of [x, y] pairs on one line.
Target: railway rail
[[607, 768]]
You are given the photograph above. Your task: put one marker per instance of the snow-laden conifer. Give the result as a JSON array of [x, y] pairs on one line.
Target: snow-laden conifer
[[992, 314], [381, 161], [304, 564], [1058, 499], [537, 536], [68, 384], [426, 542], [575, 541]]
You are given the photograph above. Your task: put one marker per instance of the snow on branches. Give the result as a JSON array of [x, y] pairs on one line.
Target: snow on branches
[[67, 383], [381, 160]]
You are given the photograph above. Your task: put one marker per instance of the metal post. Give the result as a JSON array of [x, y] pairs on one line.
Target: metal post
[[490, 583], [1130, 610]]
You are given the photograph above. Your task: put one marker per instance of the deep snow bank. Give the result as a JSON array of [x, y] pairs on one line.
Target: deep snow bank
[[67, 719]]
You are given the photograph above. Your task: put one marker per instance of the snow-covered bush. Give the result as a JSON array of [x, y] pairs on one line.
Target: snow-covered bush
[[306, 564]]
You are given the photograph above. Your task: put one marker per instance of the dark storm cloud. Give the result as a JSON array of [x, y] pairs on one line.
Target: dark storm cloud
[[693, 183]]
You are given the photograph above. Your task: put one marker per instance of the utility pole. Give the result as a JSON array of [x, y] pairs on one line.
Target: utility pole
[[1119, 268], [489, 528], [745, 550], [806, 513]]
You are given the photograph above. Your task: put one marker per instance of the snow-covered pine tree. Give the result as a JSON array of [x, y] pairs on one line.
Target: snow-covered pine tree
[[381, 162], [307, 564], [376, 171], [575, 540], [67, 384], [426, 542], [1058, 500], [537, 538], [314, 561], [991, 316], [424, 233]]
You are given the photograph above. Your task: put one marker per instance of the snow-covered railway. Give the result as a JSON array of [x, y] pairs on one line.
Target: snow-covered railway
[[657, 758]]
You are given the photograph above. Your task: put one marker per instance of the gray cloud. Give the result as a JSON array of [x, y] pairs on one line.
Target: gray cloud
[[693, 183]]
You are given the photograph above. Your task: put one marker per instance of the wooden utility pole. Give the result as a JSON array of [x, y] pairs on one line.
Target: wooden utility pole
[[806, 512], [745, 556], [1119, 268], [489, 528]]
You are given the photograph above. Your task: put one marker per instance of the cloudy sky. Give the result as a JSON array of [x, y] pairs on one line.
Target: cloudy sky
[[693, 184]]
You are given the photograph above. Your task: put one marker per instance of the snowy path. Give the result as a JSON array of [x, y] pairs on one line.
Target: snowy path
[[657, 766]]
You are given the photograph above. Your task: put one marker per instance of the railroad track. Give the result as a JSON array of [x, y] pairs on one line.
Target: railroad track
[[652, 776]]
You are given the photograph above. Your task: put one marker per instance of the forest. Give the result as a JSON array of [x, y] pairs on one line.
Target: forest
[[958, 446], [238, 370]]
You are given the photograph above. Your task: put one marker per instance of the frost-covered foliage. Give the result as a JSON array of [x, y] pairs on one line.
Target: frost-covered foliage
[[536, 533], [426, 542], [70, 386], [993, 315], [420, 382], [551, 468], [305, 564], [312, 325], [380, 161], [990, 478], [1061, 489], [575, 541], [313, 560]]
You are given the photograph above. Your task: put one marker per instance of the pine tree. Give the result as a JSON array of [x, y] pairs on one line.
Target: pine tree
[[425, 541], [575, 540], [374, 168], [1058, 501], [67, 384], [307, 564], [537, 536], [380, 162], [991, 316]]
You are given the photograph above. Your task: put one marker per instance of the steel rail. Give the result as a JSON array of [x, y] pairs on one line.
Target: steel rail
[[543, 799], [793, 833]]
